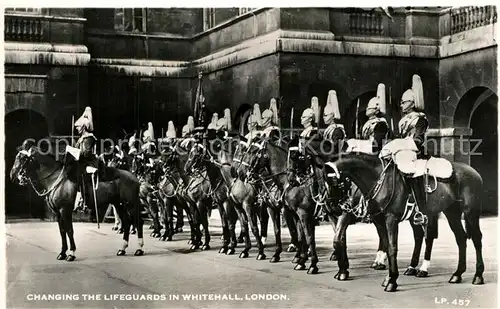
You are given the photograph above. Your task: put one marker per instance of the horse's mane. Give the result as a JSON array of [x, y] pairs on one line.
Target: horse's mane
[[45, 146]]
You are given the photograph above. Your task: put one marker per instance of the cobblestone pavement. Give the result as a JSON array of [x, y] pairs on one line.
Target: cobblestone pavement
[[171, 273]]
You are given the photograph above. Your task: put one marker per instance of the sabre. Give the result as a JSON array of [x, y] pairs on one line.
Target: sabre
[[291, 123], [72, 126], [390, 106], [95, 200], [357, 125]]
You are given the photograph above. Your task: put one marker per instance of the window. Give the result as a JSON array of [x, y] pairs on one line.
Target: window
[[133, 20], [24, 10], [216, 16]]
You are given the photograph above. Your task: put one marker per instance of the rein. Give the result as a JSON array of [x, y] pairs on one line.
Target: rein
[[54, 185]]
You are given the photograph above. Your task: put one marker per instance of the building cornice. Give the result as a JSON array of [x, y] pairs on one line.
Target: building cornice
[[44, 53]]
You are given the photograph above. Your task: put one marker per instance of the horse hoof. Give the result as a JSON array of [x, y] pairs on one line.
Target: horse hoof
[[120, 252], [139, 252], [291, 248], [241, 240], [205, 247], [61, 256], [391, 287], [422, 274], [70, 258], [261, 257], [274, 259], [243, 255], [296, 260], [163, 238], [222, 250], [300, 267], [230, 251], [115, 228], [385, 282], [455, 279], [333, 257], [374, 264], [380, 266], [133, 232], [478, 280], [194, 247], [313, 270], [190, 242], [343, 276], [410, 271], [120, 231]]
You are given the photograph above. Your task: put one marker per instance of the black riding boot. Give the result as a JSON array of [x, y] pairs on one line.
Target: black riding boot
[[418, 189]]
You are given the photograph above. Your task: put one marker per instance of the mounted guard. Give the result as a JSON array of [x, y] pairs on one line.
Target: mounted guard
[[406, 150], [269, 122], [253, 123], [84, 154], [375, 131], [335, 132]]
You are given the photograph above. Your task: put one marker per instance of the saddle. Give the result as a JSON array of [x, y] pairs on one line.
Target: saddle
[[435, 167]]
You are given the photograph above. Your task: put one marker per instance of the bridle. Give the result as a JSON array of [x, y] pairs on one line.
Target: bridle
[[25, 178]]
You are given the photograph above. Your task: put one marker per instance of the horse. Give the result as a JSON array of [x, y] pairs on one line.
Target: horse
[[57, 182], [169, 189], [215, 161], [386, 192], [248, 175]]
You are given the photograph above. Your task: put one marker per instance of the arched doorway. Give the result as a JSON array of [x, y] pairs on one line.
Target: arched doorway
[[478, 110], [19, 125], [241, 119]]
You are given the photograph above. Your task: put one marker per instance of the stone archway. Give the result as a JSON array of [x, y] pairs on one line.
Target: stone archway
[[241, 119], [477, 110], [20, 125]]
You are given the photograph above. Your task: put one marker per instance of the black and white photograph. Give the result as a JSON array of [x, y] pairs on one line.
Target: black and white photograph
[[250, 157]]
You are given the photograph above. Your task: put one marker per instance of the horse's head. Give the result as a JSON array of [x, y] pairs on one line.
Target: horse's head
[[249, 158], [197, 155], [24, 163]]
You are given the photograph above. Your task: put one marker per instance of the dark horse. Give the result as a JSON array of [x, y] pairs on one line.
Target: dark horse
[[386, 192], [58, 184]]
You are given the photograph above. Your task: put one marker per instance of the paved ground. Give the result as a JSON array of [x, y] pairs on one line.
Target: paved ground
[[169, 270]]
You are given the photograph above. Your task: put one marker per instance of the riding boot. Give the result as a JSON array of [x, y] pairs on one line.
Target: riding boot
[[417, 187]]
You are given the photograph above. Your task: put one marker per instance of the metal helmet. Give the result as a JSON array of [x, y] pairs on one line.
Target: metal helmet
[[415, 94], [331, 110], [171, 133], [86, 120], [377, 103]]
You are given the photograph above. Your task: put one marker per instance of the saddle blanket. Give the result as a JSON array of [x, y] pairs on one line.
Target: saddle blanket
[[437, 167], [358, 145]]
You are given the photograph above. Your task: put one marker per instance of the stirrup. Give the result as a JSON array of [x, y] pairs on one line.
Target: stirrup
[[420, 219]]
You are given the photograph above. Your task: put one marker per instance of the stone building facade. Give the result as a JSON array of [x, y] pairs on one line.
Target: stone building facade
[[138, 65]]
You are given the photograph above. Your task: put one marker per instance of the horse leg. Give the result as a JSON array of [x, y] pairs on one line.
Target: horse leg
[[196, 233], [153, 206], [422, 271], [252, 215], [292, 228], [340, 247], [62, 232], [118, 222], [275, 215], [126, 231], [241, 237], [179, 224], [67, 215], [168, 220], [203, 207], [473, 230], [191, 222], [392, 229], [307, 219], [232, 217], [140, 233], [333, 221], [455, 223], [264, 223], [380, 259], [301, 254], [244, 230], [225, 228]]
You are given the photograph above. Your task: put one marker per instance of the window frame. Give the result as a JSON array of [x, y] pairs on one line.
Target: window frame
[[129, 17]]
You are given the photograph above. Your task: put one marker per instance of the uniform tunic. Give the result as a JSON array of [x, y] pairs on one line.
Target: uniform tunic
[[376, 129]]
